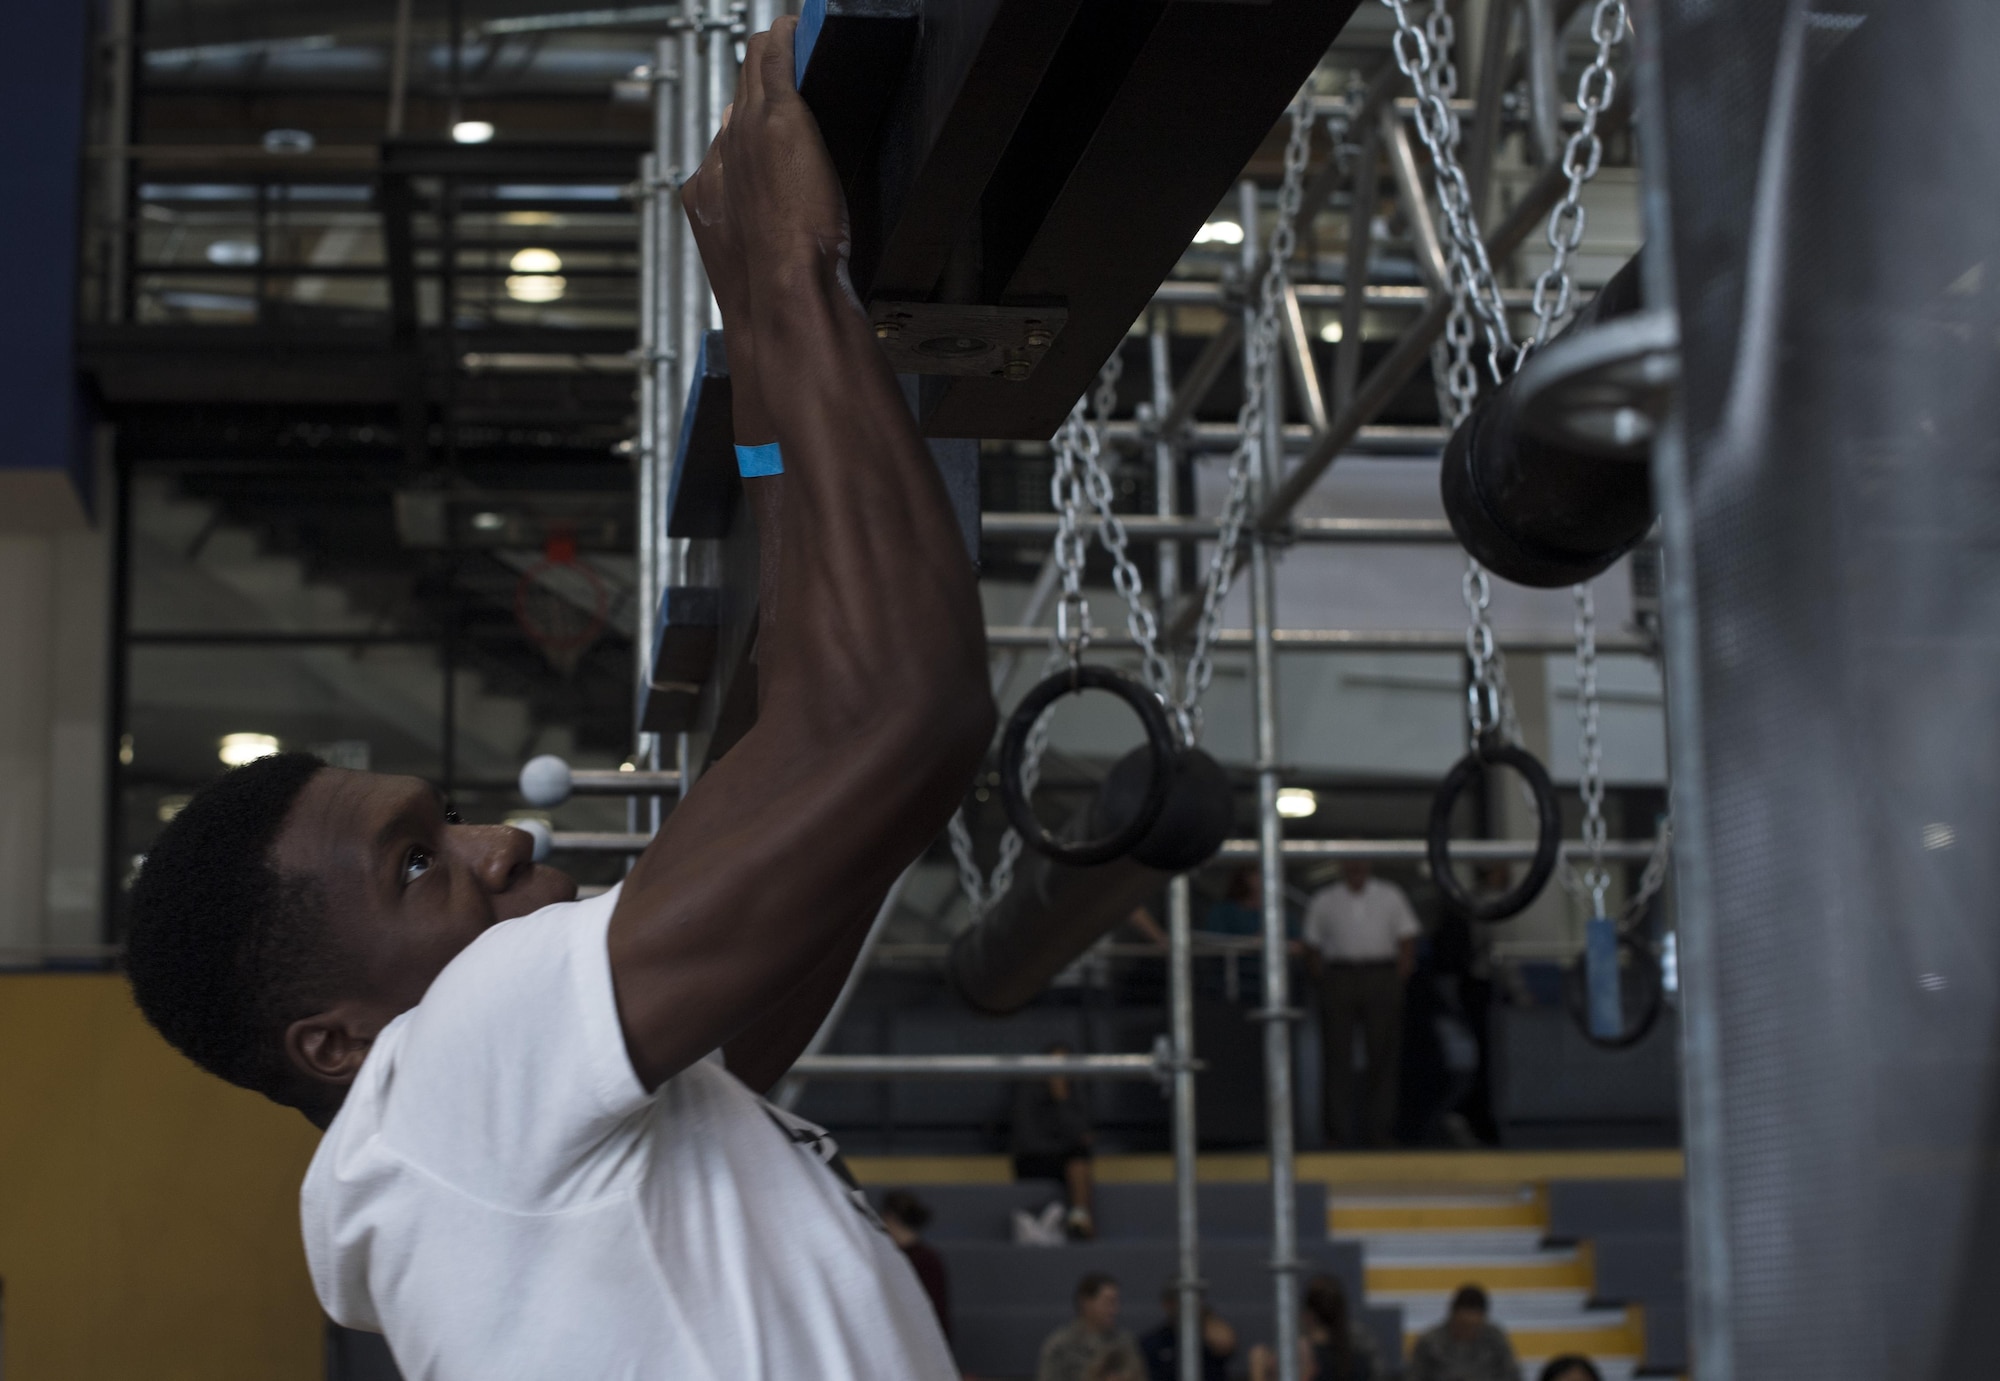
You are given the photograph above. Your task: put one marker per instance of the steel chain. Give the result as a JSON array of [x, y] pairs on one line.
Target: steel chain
[[1424, 55], [1590, 749], [1483, 700], [1582, 156], [1260, 346], [1080, 479]]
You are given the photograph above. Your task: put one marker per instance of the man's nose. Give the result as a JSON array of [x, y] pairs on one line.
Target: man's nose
[[500, 855]]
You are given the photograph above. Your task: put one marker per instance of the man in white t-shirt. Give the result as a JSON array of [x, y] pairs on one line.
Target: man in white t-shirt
[[1360, 940], [546, 1157]]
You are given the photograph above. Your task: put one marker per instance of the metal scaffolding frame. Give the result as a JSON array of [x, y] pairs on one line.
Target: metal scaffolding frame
[[690, 75]]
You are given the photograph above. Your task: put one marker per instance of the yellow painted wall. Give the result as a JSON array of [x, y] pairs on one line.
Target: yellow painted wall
[[149, 1220]]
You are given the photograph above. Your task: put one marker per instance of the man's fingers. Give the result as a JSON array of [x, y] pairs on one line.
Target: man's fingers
[[767, 63], [778, 62]]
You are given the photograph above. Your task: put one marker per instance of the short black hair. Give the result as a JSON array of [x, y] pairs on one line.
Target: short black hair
[[1470, 1297], [1091, 1284], [222, 950], [906, 1208], [1558, 1367]]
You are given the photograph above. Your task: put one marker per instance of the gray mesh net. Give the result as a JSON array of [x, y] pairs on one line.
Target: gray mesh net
[[1832, 194]]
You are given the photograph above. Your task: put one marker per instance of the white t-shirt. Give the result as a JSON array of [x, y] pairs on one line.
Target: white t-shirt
[[501, 1197], [1362, 927]]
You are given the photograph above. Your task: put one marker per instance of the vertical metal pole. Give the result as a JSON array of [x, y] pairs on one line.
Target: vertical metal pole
[[763, 13], [119, 51], [691, 295], [1354, 279], [1544, 100], [668, 230], [1486, 112], [1187, 1203], [721, 87], [1180, 918], [647, 580], [399, 68], [691, 281], [1166, 462], [1276, 1014], [1710, 1268]]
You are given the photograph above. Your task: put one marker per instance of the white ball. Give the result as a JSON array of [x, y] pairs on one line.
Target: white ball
[[537, 830], [545, 781]]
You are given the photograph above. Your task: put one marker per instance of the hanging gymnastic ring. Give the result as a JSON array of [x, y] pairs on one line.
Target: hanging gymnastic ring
[[1576, 996], [1160, 741], [1492, 752]]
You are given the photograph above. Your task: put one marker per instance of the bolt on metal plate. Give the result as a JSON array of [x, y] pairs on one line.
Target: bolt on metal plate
[[966, 339]]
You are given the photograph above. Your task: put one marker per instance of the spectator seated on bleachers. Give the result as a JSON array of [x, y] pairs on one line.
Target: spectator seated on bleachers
[[1162, 1347], [1467, 1346], [1091, 1347], [904, 1215], [1570, 1367], [1332, 1346], [1341, 1350], [1051, 1140]]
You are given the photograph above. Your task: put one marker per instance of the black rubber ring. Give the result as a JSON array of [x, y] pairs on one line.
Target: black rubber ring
[[1576, 996], [1160, 740], [1548, 832]]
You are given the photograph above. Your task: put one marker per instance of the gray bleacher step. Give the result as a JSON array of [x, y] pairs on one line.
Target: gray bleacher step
[[984, 1212], [996, 1343], [999, 1273]]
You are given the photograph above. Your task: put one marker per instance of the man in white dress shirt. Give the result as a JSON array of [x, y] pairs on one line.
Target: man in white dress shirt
[[1360, 940]]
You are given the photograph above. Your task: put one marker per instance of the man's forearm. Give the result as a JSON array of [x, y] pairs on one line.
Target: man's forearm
[[873, 707], [875, 579]]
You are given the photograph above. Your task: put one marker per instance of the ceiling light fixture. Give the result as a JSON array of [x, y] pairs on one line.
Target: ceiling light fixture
[[488, 521], [1219, 233], [535, 261], [1330, 332], [232, 254], [472, 131], [536, 287], [1297, 802], [238, 749]]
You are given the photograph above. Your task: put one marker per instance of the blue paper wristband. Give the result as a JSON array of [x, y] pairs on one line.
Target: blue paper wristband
[[755, 462]]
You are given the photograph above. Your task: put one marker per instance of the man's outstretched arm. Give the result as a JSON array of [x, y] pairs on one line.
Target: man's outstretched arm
[[873, 705]]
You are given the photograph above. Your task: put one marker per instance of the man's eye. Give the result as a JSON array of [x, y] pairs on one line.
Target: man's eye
[[416, 863], [452, 817]]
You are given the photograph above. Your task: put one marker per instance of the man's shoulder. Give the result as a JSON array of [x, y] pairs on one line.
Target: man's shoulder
[[1062, 1341]]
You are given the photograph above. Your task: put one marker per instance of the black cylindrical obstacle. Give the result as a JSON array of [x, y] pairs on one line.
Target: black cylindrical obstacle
[[1152, 774], [1057, 910], [1539, 511]]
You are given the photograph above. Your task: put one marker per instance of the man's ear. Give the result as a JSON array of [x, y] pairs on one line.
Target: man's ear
[[328, 1047]]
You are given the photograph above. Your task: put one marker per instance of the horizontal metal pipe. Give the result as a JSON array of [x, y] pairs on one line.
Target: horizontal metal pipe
[[1299, 438], [1146, 526], [1417, 850], [1337, 640], [1207, 292], [598, 842], [1133, 1067], [612, 782], [1209, 946], [1238, 850]]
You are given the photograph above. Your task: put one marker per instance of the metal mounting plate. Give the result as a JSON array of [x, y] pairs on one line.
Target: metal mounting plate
[[966, 339]]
